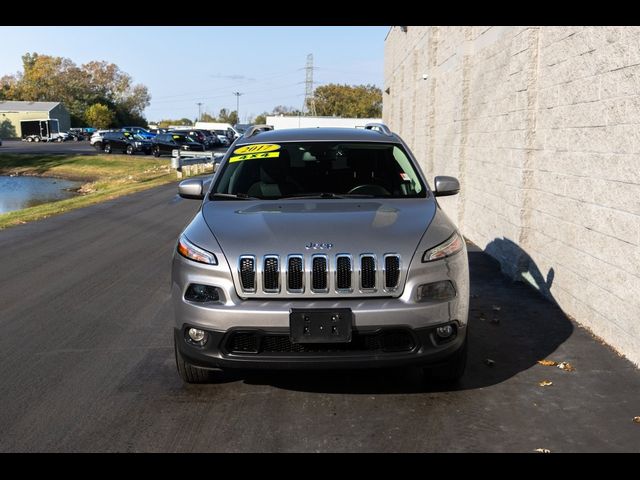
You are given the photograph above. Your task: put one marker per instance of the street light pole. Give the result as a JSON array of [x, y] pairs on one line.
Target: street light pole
[[199, 110], [237, 94]]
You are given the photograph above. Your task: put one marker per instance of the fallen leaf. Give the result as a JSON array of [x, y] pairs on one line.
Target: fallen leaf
[[636, 419], [566, 366], [542, 450], [547, 363], [545, 383], [496, 308], [490, 362]]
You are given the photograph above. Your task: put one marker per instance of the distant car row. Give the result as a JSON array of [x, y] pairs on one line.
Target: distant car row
[[132, 140]]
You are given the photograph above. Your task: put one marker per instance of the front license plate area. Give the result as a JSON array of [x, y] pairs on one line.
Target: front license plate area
[[320, 325]]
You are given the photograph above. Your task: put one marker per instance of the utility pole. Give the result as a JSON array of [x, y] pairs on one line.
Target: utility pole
[[199, 111], [308, 90], [237, 94]]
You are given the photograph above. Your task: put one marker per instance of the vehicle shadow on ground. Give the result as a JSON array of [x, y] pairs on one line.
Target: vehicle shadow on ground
[[511, 327]]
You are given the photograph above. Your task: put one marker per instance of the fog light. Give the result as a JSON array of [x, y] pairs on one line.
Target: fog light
[[439, 291], [197, 335], [444, 332], [201, 293]]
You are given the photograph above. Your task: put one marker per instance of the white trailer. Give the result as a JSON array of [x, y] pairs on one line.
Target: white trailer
[[279, 122]]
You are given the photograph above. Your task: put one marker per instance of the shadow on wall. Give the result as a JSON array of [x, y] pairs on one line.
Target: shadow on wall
[[511, 327], [7, 130]]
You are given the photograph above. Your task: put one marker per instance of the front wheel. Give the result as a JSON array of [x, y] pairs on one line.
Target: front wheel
[[60, 139], [452, 369], [107, 148], [129, 150], [29, 139], [190, 373], [156, 152]]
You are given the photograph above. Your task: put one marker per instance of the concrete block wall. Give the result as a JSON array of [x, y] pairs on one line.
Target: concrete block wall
[[542, 127]]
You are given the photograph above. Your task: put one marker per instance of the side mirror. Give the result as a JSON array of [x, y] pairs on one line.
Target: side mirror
[[192, 189], [445, 186]]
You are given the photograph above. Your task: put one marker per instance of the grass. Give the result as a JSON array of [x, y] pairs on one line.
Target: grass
[[105, 177]]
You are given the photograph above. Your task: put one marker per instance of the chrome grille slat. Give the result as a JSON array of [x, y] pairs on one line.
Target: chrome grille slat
[[295, 274], [344, 272], [367, 272], [391, 271], [271, 274], [341, 274], [247, 269], [319, 277]]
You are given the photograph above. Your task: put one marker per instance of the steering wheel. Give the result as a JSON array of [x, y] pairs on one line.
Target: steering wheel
[[369, 189]]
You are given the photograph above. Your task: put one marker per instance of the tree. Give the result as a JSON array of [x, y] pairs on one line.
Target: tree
[[99, 116], [182, 121], [347, 100], [261, 119], [57, 79], [286, 111]]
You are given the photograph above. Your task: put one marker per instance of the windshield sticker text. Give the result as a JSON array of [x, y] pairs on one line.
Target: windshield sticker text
[[257, 148], [252, 156]]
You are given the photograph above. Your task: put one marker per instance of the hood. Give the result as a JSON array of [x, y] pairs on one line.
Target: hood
[[350, 226]]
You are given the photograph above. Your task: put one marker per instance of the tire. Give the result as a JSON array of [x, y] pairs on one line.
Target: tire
[[98, 146], [59, 139], [129, 150], [156, 152], [107, 148], [452, 370], [29, 139], [190, 373], [37, 139]]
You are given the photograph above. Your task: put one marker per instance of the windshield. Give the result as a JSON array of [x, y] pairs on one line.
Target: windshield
[[319, 169], [182, 138]]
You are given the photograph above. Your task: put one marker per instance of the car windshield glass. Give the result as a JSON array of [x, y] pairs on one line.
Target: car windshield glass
[[326, 170]]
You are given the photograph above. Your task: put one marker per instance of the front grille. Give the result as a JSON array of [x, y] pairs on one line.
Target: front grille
[[391, 271], [248, 273], [271, 274], [295, 274], [367, 272], [319, 274], [258, 343], [343, 272]]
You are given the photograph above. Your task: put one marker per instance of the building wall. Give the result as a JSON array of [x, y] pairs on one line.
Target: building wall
[[62, 115], [14, 119], [542, 127], [279, 122]]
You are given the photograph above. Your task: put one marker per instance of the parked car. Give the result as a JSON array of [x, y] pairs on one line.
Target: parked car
[[158, 131], [126, 142], [146, 134], [77, 134], [165, 143], [241, 127], [212, 140], [96, 139], [375, 275], [224, 137], [197, 135]]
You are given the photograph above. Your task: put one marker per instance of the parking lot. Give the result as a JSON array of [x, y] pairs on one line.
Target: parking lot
[[86, 362], [48, 148]]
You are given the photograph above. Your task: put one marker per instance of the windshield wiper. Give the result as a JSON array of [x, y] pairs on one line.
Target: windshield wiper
[[326, 195], [232, 196]]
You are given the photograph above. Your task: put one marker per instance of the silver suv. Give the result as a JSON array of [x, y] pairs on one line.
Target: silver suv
[[320, 248]]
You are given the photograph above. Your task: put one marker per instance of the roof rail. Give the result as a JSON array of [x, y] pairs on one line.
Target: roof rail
[[379, 127], [255, 129]]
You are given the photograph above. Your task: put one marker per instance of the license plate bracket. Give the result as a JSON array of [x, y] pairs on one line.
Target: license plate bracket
[[320, 325]]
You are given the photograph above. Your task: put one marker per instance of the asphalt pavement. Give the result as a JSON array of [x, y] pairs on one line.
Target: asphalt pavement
[[48, 148], [86, 362]]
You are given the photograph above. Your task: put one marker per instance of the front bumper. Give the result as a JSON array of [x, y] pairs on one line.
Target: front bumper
[[423, 349]]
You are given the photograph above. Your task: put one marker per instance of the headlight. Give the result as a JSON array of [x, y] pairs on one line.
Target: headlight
[[452, 245], [190, 251]]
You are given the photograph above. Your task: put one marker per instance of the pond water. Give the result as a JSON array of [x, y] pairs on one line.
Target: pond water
[[22, 192]]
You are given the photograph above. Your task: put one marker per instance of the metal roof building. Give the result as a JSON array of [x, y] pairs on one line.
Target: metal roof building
[[12, 113]]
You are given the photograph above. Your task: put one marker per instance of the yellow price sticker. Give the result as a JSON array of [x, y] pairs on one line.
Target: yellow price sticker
[[257, 148], [253, 156]]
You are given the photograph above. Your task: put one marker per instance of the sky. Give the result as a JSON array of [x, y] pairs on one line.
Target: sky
[[182, 66]]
